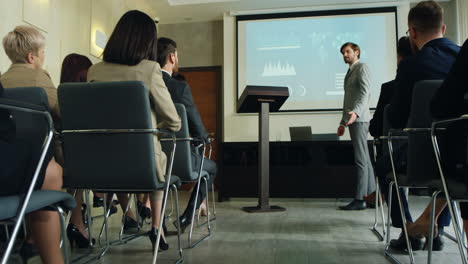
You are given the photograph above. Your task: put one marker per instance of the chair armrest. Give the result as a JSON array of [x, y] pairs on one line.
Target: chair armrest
[[21, 106], [414, 130], [113, 131]]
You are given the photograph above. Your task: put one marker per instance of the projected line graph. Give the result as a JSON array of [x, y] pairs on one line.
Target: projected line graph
[[278, 69]]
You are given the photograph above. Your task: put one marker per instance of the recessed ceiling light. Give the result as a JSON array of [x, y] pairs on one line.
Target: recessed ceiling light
[[196, 2]]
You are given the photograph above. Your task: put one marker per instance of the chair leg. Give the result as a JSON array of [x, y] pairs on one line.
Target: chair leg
[[457, 229], [106, 227], [431, 227], [456, 224], [172, 204], [64, 243], [389, 211], [378, 206], [192, 245], [179, 242], [214, 200]]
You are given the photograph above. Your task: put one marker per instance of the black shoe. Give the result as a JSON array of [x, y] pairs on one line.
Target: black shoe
[[130, 225], [184, 222], [370, 205], [143, 211], [354, 205], [400, 243], [437, 243], [153, 235], [28, 251], [77, 238], [99, 202]]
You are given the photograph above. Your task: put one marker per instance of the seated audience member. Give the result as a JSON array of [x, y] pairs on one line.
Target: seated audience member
[[386, 91], [25, 48], [434, 55], [449, 102], [181, 93], [75, 69], [130, 54]]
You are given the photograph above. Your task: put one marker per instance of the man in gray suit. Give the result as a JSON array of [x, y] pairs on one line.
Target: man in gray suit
[[356, 117]]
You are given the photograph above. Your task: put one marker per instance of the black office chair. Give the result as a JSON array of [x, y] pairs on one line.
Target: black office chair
[[184, 169], [29, 109], [421, 169], [455, 189], [109, 142]]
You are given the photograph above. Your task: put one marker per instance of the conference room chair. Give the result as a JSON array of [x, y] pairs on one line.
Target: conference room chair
[[183, 168], [455, 189], [379, 206], [108, 143], [213, 198], [421, 172], [29, 110]]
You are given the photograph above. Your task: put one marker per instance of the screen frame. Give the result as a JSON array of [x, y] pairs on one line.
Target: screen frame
[[354, 11]]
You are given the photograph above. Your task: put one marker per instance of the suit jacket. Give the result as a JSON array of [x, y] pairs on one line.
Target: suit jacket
[[149, 73], [449, 101], [181, 94], [7, 127], [432, 62], [376, 123], [357, 86], [23, 75]]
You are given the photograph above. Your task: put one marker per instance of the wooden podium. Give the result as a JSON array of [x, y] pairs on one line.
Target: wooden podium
[[263, 100]]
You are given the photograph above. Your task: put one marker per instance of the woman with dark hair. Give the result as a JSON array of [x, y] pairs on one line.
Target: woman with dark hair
[[130, 54], [75, 69]]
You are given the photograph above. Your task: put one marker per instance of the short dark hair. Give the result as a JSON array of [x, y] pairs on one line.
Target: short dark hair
[[133, 40], [353, 46], [426, 17], [179, 76], [404, 47], [166, 46], [75, 68]]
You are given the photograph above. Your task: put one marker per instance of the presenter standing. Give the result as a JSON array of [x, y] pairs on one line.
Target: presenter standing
[[356, 117]]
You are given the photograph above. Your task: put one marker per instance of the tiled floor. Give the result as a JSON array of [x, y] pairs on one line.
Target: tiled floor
[[310, 231]]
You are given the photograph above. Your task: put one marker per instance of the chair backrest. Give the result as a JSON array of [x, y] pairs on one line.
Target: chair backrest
[[30, 129], [183, 166], [422, 164], [108, 161]]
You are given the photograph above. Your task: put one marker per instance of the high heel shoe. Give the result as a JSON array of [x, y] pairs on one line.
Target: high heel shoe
[[28, 251], [77, 238], [143, 210], [153, 235]]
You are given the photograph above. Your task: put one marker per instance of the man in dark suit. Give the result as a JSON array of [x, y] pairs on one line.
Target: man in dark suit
[[449, 102], [433, 58], [386, 91], [181, 93]]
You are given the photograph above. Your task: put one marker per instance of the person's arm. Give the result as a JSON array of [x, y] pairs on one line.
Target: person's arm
[[164, 107], [361, 102], [376, 123], [43, 80], [449, 100], [196, 127], [400, 104]]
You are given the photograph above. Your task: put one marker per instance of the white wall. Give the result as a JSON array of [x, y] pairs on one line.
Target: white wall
[[242, 127], [68, 26]]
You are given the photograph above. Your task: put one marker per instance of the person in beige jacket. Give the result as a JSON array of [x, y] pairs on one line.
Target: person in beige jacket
[[130, 54], [25, 48]]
